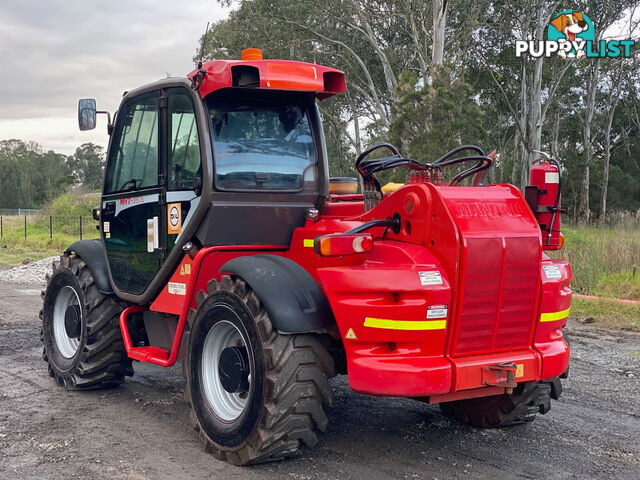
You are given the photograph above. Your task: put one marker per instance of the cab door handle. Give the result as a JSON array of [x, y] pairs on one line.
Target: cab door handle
[[109, 210]]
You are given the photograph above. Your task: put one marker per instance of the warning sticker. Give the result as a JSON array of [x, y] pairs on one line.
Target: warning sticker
[[351, 335], [437, 311], [174, 212], [552, 271], [432, 277], [106, 227], [519, 370], [177, 288], [551, 177], [150, 235]]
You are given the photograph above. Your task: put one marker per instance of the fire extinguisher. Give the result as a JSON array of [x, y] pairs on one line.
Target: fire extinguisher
[[543, 196]]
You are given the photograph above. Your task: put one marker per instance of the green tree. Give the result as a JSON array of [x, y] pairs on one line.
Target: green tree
[[433, 119], [87, 164], [30, 177]]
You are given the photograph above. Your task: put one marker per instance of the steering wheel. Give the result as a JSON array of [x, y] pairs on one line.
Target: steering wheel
[[129, 182]]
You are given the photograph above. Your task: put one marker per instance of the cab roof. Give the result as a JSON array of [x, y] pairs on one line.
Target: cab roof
[[254, 72]]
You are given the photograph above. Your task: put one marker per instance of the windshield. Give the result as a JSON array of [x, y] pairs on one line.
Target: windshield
[[261, 147]]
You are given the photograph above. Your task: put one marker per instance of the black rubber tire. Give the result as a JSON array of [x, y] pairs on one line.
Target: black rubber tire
[[101, 359], [527, 400], [287, 394]]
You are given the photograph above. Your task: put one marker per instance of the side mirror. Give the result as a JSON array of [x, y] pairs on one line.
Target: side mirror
[[87, 114]]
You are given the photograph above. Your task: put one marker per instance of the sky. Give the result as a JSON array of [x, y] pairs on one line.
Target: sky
[[54, 52]]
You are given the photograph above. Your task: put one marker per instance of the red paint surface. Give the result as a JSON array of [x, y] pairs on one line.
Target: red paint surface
[[487, 246], [274, 74]]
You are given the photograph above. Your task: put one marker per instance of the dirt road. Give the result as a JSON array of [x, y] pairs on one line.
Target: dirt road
[[141, 430]]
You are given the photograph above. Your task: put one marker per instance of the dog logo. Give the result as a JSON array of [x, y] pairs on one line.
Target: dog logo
[[573, 29], [571, 34]]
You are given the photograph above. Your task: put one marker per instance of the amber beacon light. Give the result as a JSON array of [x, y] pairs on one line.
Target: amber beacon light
[[251, 54]]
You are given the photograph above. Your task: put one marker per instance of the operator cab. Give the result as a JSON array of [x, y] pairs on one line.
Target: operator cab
[[269, 166], [233, 154]]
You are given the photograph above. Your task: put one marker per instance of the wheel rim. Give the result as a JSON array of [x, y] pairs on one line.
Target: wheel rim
[[67, 345], [227, 406]]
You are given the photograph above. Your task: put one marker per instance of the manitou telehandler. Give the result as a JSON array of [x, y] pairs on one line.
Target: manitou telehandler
[[224, 244]]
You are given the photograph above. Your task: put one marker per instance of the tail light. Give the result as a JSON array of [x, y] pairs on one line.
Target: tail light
[[343, 244]]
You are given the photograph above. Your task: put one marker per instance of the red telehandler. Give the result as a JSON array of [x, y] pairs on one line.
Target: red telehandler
[[224, 245]]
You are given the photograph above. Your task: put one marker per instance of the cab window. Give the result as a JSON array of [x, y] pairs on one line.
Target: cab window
[[133, 160], [261, 146], [185, 167]]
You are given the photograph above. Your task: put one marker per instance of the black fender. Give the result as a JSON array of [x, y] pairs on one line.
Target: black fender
[[294, 300], [92, 253]]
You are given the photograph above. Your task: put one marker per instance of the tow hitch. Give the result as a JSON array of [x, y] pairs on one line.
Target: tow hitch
[[500, 375]]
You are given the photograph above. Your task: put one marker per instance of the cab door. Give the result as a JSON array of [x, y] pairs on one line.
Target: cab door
[[131, 216]]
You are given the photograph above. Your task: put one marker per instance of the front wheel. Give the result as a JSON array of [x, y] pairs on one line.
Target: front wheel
[[256, 395], [83, 344]]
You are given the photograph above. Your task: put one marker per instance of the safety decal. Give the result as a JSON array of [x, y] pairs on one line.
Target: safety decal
[[351, 335], [552, 271], [553, 316], [106, 227], [519, 370], [432, 277], [551, 177], [405, 324], [308, 242], [150, 234], [185, 269], [174, 213], [177, 288], [153, 240], [437, 311]]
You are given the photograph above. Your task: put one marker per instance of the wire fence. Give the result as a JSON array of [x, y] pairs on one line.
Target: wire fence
[[18, 211], [28, 225]]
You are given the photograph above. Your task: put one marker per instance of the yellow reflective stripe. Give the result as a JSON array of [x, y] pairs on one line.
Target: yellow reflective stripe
[[308, 242], [405, 324], [553, 316]]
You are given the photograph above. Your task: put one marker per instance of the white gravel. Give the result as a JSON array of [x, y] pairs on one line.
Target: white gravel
[[33, 273]]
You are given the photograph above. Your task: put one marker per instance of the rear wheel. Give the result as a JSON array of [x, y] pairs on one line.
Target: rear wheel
[[82, 341], [256, 395], [521, 406]]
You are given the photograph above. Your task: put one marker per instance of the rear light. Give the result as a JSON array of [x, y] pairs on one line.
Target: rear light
[[555, 247], [343, 244]]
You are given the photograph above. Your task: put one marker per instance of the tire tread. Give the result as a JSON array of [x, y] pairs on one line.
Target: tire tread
[[296, 387]]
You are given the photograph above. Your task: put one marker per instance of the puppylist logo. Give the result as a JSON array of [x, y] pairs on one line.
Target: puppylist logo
[[571, 34]]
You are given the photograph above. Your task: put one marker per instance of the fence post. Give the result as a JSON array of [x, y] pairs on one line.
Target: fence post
[[80, 228], [50, 226], [25, 226]]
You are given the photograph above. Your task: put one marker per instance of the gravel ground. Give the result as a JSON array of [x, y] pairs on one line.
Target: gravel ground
[[141, 430], [31, 273]]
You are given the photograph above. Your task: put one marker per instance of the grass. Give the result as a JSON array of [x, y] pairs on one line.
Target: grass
[[65, 212], [14, 248], [606, 314], [605, 261]]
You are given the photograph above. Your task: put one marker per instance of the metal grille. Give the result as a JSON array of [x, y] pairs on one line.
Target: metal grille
[[500, 278]]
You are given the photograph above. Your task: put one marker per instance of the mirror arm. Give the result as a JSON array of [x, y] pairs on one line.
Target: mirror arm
[[109, 124]]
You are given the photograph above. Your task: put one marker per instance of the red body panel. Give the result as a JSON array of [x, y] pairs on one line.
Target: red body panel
[[462, 286], [274, 74]]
